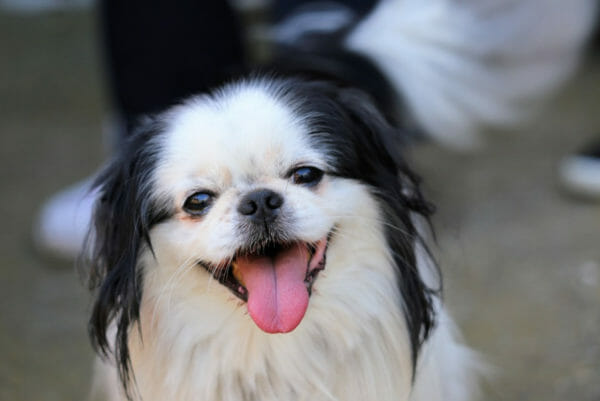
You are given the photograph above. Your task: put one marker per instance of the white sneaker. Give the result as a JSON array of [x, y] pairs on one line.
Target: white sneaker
[[64, 221], [580, 173]]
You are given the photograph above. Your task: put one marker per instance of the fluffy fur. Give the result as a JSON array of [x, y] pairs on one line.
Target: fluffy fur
[[177, 333]]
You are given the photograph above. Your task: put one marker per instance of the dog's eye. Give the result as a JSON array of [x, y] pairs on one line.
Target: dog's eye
[[308, 176], [199, 203]]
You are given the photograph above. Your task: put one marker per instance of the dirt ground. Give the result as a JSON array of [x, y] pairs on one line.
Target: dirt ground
[[521, 259]]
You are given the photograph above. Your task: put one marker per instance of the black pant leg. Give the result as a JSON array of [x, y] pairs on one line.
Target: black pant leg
[[160, 51]]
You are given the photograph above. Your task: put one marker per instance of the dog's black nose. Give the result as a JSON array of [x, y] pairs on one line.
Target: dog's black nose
[[260, 205]]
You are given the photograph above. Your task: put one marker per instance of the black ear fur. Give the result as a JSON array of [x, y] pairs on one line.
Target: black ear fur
[[397, 186], [367, 148], [124, 214]]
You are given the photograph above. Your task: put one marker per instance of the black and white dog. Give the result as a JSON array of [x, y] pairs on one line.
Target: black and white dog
[[262, 242]]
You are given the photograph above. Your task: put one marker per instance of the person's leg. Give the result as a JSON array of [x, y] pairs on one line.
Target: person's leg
[[157, 53], [162, 51]]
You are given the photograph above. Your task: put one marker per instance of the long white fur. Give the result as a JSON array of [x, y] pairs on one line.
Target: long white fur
[[462, 65], [196, 341]]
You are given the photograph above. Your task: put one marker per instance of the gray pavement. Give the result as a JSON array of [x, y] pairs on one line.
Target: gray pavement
[[521, 260]]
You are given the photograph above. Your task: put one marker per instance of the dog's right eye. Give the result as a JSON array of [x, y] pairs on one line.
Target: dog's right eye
[[199, 203]]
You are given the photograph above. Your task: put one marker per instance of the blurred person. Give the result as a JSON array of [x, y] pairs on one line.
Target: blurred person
[[453, 66]]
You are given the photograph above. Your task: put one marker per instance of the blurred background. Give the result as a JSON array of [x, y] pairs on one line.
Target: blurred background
[[521, 259]]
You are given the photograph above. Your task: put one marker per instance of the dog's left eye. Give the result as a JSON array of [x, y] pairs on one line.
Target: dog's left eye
[[308, 176], [199, 203]]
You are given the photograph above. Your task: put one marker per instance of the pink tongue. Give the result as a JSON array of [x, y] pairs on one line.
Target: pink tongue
[[277, 295]]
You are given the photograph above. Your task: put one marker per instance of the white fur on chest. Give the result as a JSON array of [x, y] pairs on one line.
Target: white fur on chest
[[200, 344], [208, 348]]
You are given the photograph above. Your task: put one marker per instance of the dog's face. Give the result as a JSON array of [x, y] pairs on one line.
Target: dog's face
[[254, 200], [256, 188]]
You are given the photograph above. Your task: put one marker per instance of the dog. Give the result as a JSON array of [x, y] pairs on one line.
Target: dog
[[266, 241], [261, 243]]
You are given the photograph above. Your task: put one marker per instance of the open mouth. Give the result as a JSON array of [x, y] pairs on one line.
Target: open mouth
[[275, 281]]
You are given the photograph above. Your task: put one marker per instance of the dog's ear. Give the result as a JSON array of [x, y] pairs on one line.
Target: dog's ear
[[124, 213], [379, 152], [379, 149]]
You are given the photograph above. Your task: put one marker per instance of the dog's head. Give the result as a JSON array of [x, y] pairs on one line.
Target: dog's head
[[255, 187]]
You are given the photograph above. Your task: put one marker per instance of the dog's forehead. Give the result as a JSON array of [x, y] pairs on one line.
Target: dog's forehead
[[245, 131]]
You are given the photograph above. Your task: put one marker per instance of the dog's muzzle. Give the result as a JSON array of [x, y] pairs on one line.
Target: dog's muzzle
[[272, 273]]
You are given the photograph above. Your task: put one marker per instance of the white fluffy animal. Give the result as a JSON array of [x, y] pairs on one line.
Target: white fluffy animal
[[259, 244]]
